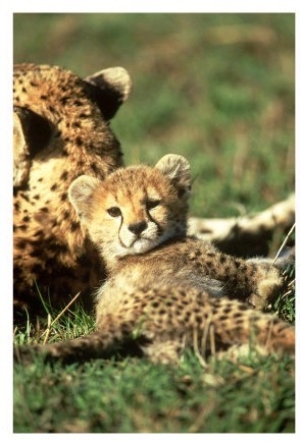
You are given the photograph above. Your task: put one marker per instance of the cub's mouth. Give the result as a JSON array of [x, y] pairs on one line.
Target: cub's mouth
[[139, 243], [143, 244]]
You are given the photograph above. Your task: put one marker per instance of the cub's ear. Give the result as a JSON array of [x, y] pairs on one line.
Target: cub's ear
[[80, 194], [178, 170], [110, 88]]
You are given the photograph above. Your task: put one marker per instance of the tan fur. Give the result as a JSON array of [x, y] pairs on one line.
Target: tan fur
[[166, 291], [61, 131]]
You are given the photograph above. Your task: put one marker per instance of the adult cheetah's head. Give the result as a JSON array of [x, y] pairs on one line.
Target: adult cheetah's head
[[55, 110]]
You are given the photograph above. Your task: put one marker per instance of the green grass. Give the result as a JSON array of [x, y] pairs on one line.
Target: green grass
[[133, 395], [219, 89], [237, 393]]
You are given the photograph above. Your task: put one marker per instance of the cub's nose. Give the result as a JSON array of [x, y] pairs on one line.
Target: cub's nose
[[137, 228]]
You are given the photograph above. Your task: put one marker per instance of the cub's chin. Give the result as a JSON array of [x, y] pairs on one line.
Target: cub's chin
[[140, 246], [143, 245]]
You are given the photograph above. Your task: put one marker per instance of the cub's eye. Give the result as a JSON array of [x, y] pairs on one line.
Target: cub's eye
[[114, 212], [151, 204]]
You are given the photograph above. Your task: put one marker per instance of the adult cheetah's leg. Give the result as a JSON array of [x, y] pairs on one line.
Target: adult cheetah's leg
[[246, 235]]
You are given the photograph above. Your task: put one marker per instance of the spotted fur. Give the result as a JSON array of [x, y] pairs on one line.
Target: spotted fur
[[166, 291], [61, 131]]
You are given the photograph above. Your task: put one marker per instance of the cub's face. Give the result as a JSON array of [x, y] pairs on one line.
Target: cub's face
[[135, 208]]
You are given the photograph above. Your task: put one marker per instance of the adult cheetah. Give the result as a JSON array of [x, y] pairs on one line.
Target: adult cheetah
[[61, 131]]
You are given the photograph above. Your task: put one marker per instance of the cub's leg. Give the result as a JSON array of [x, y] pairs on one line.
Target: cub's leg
[[256, 281], [234, 323], [112, 336], [164, 322]]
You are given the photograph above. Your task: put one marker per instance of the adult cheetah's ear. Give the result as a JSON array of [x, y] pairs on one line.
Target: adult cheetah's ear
[[110, 88], [178, 170], [31, 134], [80, 194]]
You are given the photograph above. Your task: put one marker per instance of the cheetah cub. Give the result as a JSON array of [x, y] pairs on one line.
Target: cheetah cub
[[165, 291]]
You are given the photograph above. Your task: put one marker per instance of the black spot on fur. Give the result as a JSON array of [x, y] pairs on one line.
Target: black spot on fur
[[223, 259], [24, 196], [209, 264], [237, 315], [78, 141], [74, 226], [155, 304], [66, 215], [187, 317], [35, 253], [94, 167], [64, 176], [184, 302], [84, 115], [53, 187], [169, 303], [76, 124], [63, 100], [22, 245], [223, 318], [38, 233], [227, 270]]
